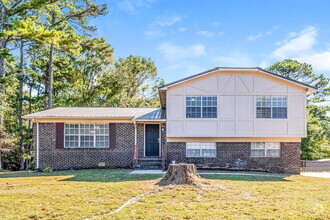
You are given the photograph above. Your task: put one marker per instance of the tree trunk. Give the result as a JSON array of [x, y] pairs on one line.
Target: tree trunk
[[50, 70], [3, 19], [181, 173], [50, 77], [20, 101], [20, 92]]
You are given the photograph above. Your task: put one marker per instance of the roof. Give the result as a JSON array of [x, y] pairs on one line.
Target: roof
[[91, 113], [159, 114], [238, 68]]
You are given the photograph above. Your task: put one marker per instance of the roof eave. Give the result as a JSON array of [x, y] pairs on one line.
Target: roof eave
[[140, 120], [76, 118], [311, 88]]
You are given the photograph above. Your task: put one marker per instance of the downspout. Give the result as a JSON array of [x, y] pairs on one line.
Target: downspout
[[136, 148], [135, 133]]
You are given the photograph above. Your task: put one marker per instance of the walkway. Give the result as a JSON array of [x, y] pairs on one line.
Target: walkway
[[316, 174]]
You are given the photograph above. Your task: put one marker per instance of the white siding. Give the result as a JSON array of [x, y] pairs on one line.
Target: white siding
[[236, 92]]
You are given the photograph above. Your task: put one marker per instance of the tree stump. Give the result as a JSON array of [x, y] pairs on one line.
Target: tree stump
[[181, 173]]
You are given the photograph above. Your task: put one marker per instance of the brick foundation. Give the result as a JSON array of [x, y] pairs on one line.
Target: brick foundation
[[237, 156]]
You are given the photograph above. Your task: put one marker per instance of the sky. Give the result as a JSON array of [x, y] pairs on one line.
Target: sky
[[185, 37]]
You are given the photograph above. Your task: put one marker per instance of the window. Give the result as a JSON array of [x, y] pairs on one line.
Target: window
[[266, 149], [271, 107], [201, 107], [86, 135], [197, 149]]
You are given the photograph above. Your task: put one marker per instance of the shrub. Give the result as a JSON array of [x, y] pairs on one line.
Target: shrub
[[31, 166], [11, 160], [48, 170]]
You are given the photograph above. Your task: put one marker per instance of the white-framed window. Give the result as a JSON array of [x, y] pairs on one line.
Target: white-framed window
[[266, 149], [272, 107], [86, 135], [201, 107], [200, 149]]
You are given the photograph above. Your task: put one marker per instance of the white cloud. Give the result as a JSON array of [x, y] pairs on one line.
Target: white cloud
[[290, 36], [235, 59], [156, 27], [182, 29], [259, 35], [132, 6], [303, 42], [301, 47], [185, 68], [215, 24], [174, 52], [206, 33], [154, 33], [319, 61], [167, 20]]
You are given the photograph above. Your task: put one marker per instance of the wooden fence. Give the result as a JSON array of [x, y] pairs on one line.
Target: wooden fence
[[313, 165]]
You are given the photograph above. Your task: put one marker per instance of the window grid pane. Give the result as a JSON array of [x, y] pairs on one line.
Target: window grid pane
[[268, 149], [263, 112], [201, 107], [271, 107], [193, 112], [280, 112], [86, 135], [198, 149]]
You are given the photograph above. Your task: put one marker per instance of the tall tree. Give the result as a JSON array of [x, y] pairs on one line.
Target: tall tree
[[95, 60], [68, 16], [303, 72], [136, 77], [317, 143]]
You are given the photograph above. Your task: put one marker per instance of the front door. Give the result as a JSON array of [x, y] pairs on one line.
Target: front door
[[152, 140]]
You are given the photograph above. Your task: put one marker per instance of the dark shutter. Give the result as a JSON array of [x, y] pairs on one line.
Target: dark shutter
[[112, 135], [59, 135]]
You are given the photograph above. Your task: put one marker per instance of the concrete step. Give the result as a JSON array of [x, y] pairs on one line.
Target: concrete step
[[149, 163]]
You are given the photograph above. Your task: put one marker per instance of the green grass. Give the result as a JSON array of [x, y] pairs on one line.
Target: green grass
[[85, 193]]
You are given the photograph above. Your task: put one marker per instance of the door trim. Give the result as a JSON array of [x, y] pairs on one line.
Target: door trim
[[144, 137]]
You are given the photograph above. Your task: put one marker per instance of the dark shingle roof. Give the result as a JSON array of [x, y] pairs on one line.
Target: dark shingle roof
[[238, 68], [159, 114]]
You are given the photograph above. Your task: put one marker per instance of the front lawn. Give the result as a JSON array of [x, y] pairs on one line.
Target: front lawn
[[86, 193]]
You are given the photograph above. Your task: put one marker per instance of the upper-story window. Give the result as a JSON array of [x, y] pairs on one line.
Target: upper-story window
[[272, 107], [201, 106], [86, 135]]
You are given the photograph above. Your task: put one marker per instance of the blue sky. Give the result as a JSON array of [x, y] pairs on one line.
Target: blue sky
[[186, 37]]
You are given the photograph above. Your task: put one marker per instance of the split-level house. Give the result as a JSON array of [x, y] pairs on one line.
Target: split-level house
[[225, 118]]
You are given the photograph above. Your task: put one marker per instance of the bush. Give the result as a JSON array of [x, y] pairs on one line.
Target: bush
[[31, 166], [11, 160], [48, 170]]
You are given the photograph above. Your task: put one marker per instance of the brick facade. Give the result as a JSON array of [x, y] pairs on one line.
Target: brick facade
[[229, 155], [237, 156], [66, 158]]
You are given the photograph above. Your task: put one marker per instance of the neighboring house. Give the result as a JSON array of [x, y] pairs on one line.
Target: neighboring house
[[233, 118]]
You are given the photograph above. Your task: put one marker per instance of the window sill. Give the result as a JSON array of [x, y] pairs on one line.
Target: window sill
[[271, 118], [265, 157], [86, 148], [201, 157]]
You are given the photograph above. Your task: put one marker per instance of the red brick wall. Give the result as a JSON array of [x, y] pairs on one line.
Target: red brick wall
[[237, 156]]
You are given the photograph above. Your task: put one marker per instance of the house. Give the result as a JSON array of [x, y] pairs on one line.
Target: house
[[232, 118]]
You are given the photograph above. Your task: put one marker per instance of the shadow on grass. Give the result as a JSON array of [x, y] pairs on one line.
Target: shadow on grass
[[90, 175], [270, 178]]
